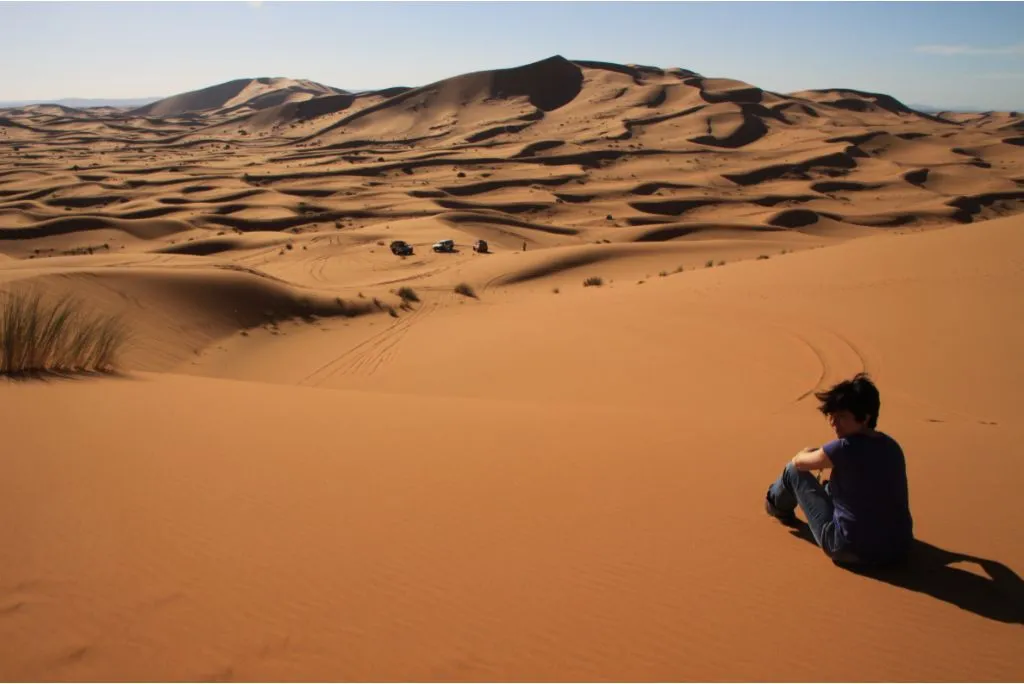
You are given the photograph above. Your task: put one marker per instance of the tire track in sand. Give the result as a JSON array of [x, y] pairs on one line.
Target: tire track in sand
[[837, 356], [366, 357]]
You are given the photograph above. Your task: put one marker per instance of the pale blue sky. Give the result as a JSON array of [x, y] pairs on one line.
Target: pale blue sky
[[946, 54]]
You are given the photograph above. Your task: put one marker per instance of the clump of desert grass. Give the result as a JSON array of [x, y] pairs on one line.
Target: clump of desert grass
[[466, 290], [408, 294], [45, 335], [593, 281]]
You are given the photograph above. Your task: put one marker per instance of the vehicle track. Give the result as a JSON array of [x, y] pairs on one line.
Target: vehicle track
[[369, 355], [838, 357]]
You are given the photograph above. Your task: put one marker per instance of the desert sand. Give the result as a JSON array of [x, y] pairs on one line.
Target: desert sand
[[297, 475]]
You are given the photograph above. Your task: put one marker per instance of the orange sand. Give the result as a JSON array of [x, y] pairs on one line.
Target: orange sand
[[546, 482]]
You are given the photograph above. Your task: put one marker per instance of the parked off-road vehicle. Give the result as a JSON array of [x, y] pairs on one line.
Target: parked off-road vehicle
[[401, 248]]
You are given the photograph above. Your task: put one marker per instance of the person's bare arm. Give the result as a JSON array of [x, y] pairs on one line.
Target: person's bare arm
[[812, 459]]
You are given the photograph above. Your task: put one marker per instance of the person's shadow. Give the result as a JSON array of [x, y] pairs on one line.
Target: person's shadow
[[929, 570]]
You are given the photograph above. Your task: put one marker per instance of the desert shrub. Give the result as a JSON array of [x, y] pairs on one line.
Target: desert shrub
[[37, 335], [593, 281], [352, 309], [466, 290], [556, 290], [709, 263], [663, 274], [721, 263], [408, 294], [763, 256]]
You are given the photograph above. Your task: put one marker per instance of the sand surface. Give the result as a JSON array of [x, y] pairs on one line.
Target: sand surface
[[299, 477]]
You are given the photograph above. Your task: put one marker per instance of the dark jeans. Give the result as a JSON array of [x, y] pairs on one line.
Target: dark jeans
[[800, 487]]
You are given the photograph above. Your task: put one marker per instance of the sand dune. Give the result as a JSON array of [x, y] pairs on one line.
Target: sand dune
[[258, 93], [306, 472]]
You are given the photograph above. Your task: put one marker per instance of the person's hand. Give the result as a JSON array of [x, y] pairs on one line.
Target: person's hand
[[801, 453]]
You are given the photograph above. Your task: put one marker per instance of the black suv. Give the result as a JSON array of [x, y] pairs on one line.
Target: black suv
[[401, 248]]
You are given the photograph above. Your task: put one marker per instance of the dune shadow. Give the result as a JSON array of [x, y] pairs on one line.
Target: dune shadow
[[930, 570]]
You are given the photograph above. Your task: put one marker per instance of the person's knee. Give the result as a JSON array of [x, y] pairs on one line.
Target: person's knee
[[790, 474]]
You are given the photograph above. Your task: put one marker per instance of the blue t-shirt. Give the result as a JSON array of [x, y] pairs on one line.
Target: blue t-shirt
[[870, 495]]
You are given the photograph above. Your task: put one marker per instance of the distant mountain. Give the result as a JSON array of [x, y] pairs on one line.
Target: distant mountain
[[932, 109], [80, 103]]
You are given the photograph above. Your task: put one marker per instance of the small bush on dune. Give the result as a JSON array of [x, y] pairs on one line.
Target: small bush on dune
[[352, 309], [408, 294], [709, 263], [466, 290], [593, 281], [762, 256], [39, 336]]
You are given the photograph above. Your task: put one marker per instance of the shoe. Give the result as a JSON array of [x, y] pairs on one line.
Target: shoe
[[784, 517]]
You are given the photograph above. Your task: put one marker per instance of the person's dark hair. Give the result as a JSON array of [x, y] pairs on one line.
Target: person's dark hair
[[859, 396]]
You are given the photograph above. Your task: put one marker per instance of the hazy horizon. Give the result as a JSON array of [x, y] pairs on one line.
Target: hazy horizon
[[946, 55]]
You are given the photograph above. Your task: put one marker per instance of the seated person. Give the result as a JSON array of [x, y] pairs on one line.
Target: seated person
[[862, 514]]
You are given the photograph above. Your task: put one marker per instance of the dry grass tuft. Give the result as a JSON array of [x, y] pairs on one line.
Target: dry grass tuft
[[408, 294], [38, 335]]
